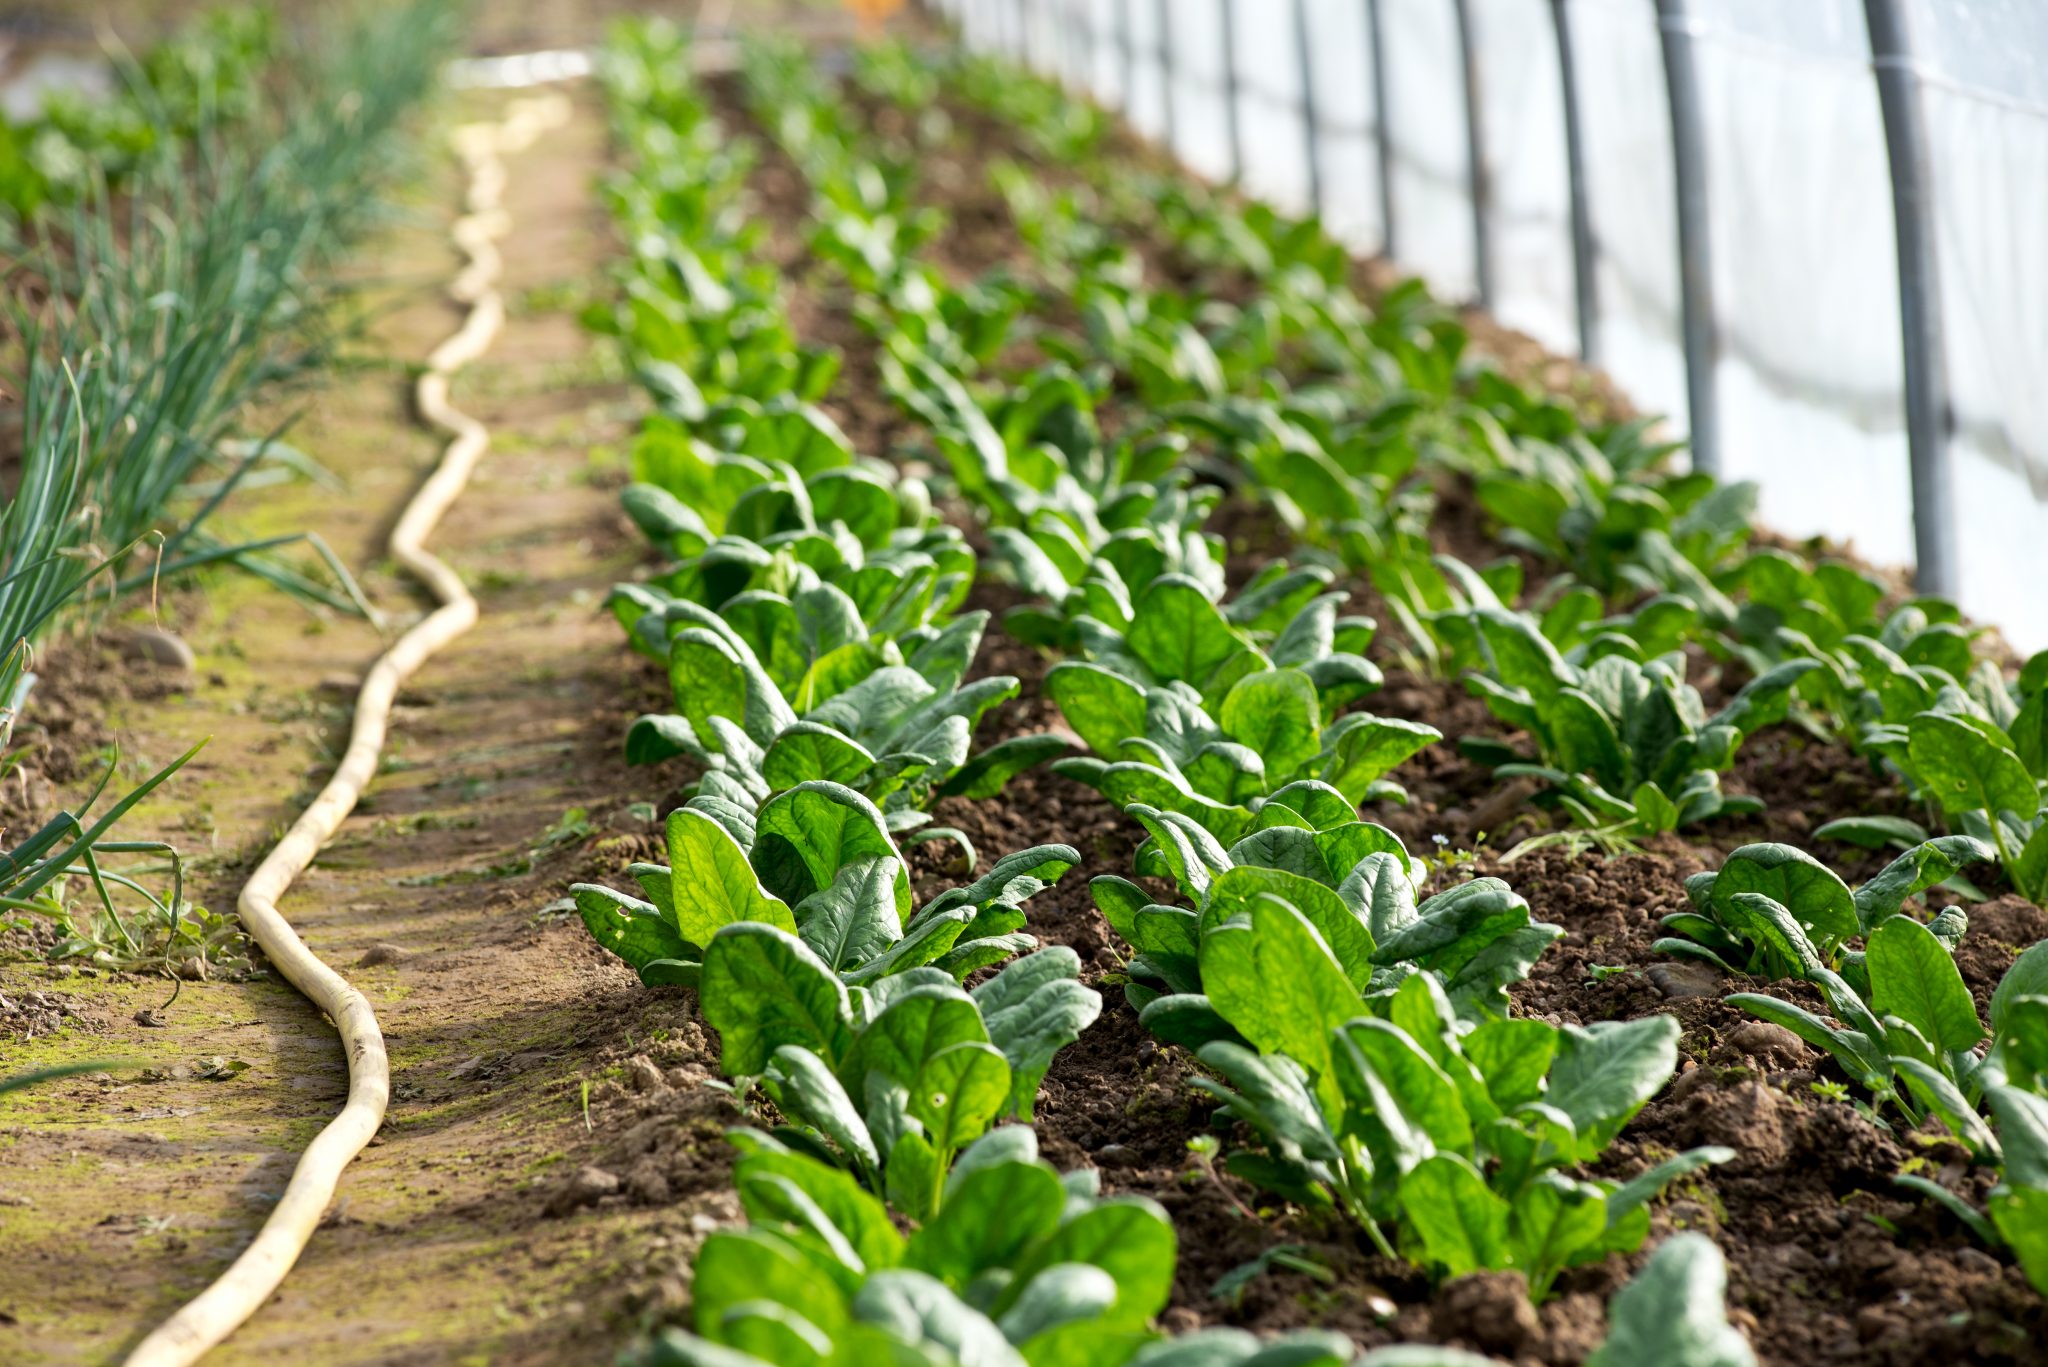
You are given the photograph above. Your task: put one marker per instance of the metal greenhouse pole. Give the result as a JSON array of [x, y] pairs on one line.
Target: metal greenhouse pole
[[1695, 247], [1478, 180], [1127, 53], [1226, 11], [1926, 360], [1163, 40], [1311, 123], [1585, 297], [1383, 130]]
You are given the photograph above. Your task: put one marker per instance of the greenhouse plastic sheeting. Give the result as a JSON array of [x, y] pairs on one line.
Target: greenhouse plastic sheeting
[[1986, 67], [1807, 358], [1529, 227], [1805, 286]]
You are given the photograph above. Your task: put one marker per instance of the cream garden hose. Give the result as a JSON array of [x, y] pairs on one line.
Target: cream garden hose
[[223, 1306]]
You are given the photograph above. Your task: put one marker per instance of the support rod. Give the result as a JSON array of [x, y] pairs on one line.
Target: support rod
[[1695, 246], [1479, 179], [1227, 12], [1311, 117], [1585, 288], [1383, 128], [1920, 317]]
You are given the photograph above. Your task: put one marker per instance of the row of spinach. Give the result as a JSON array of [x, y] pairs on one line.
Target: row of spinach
[[812, 628], [1604, 698]]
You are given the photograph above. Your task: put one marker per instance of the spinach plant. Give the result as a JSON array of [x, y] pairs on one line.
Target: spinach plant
[[1352, 880], [1455, 1142], [1775, 912], [1984, 767], [1911, 1040], [1211, 710], [818, 864], [1017, 1263], [1625, 745], [1590, 504], [1435, 598], [830, 701]]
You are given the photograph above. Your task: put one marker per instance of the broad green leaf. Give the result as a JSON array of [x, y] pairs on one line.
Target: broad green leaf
[[2028, 977], [854, 919], [1119, 900], [1914, 978], [910, 1029], [1270, 1092], [2021, 1215], [1673, 1312], [1128, 1237], [1872, 832], [1605, 1072], [1918, 869], [1177, 633], [808, 751], [763, 988], [765, 1332], [1425, 1095], [1343, 932], [634, 930], [1552, 1219], [988, 772], [990, 1216], [1804, 886], [804, 836], [767, 1183], [1512, 1056], [960, 1092], [1462, 1226], [1379, 889], [1103, 707], [1767, 923], [1366, 752], [735, 1266], [918, 1309], [1034, 1008], [1241, 962], [713, 884], [807, 1091], [1965, 771], [1277, 714], [1074, 1295], [1455, 925]]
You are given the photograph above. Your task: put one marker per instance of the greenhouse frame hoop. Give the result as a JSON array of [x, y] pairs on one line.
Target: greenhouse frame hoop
[[1900, 78]]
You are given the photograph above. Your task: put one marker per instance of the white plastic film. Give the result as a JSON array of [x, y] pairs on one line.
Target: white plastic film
[[1106, 74], [1269, 106], [1522, 121], [1340, 53], [1805, 270], [1426, 115], [1201, 121], [1149, 94], [1985, 67], [1627, 132]]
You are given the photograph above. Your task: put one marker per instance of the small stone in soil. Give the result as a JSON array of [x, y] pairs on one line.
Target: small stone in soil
[[1684, 979], [643, 1076], [589, 1186], [159, 647]]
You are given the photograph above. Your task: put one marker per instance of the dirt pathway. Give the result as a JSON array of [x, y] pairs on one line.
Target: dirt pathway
[[121, 1197]]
